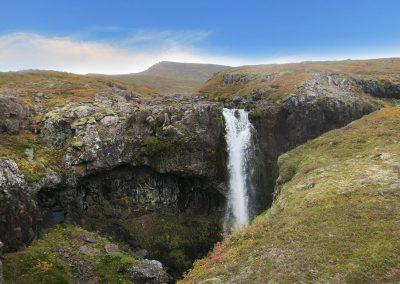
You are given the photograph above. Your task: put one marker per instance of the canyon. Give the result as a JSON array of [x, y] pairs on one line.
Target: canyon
[[149, 170]]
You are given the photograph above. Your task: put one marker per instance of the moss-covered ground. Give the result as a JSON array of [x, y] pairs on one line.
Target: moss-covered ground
[[335, 219], [14, 147], [62, 255]]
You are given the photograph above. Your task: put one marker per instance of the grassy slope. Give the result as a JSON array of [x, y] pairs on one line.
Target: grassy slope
[[59, 88], [172, 77], [164, 85], [336, 217], [41, 261], [287, 77]]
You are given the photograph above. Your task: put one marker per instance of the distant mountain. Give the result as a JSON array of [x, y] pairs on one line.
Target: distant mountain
[[172, 77], [184, 71]]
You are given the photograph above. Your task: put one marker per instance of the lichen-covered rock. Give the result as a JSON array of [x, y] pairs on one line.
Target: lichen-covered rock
[[148, 272], [19, 214], [109, 120], [237, 79], [55, 131]]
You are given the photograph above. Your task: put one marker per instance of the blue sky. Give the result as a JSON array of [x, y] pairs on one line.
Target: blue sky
[[128, 36]]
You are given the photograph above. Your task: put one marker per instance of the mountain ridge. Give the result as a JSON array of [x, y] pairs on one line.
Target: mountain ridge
[[171, 77]]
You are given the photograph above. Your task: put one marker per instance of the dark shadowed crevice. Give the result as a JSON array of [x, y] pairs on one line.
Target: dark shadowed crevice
[[175, 219]]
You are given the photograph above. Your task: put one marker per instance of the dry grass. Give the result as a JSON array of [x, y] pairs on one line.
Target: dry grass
[[289, 76], [58, 88]]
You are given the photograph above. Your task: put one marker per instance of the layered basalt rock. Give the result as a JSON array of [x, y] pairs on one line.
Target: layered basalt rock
[[125, 160]]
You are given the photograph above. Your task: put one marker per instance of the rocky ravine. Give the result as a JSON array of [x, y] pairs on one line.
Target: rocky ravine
[[335, 217], [143, 171]]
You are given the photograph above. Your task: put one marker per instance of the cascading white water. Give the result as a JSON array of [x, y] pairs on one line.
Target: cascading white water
[[239, 146]]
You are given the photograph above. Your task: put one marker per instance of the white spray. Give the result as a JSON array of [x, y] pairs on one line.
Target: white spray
[[239, 144]]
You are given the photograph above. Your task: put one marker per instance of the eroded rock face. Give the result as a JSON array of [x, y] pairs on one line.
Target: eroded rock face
[[19, 214], [323, 103], [381, 88], [13, 115], [166, 157], [127, 190]]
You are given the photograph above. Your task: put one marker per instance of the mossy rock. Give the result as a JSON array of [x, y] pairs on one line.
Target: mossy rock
[[256, 113], [14, 147], [49, 259], [76, 143], [152, 146]]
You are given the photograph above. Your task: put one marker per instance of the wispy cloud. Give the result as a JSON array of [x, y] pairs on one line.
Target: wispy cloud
[[34, 51], [183, 37], [132, 53]]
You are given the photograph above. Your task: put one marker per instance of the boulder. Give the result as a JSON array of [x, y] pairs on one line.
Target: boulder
[[13, 115], [87, 250], [109, 120], [110, 248], [148, 271]]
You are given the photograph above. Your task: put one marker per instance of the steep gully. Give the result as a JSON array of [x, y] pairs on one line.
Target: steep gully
[[133, 199]]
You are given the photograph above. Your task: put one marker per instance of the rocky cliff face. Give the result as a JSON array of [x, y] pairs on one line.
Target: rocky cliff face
[[153, 173], [321, 103], [19, 212], [335, 218], [123, 159]]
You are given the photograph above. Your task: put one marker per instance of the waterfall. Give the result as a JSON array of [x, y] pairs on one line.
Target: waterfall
[[240, 150]]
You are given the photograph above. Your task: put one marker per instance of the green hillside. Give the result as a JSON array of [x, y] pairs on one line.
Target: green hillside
[[335, 219]]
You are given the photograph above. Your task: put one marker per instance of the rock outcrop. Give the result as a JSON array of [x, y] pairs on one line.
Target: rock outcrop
[[70, 254], [148, 271], [1, 263], [322, 103], [13, 115], [126, 159], [381, 88], [19, 213]]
